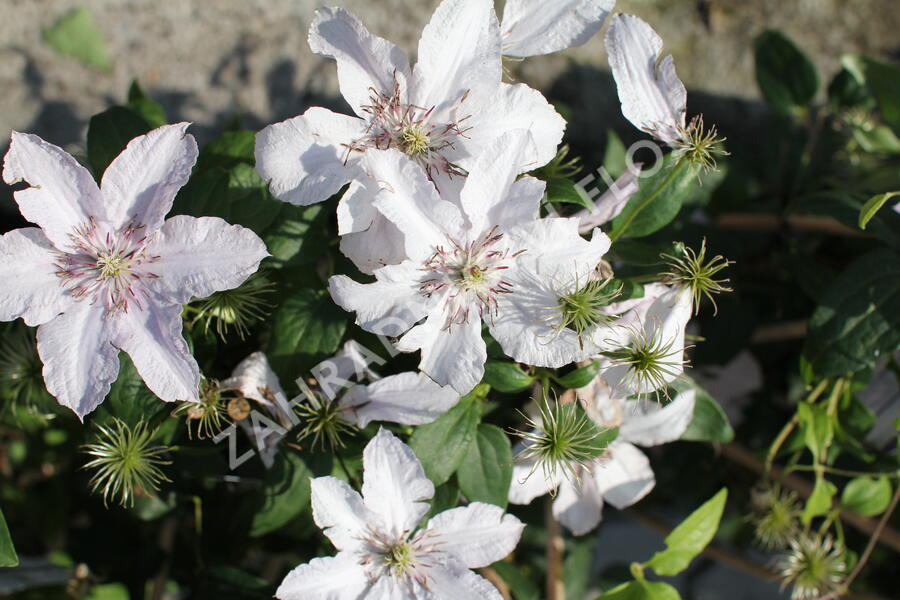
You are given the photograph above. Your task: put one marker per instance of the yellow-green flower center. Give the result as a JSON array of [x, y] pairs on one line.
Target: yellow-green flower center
[[414, 140]]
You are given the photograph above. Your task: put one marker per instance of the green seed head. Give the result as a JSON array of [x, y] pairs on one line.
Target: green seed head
[[205, 417], [238, 308], [652, 362], [325, 423], [126, 460], [583, 309], [693, 271], [814, 566], [776, 517], [699, 146]]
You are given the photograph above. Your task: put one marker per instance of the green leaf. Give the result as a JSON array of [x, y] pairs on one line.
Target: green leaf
[[149, 110], [786, 77], [446, 496], [709, 423], [615, 156], [690, 537], [846, 91], [642, 590], [442, 445], [658, 200], [129, 398], [858, 320], [819, 501], [300, 235], [867, 496], [872, 206], [520, 584], [817, 427], [75, 35], [577, 567], [108, 134], [845, 206], [506, 377], [229, 150], [883, 82], [580, 377], [8, 557], [564, 191], [108, 591], [486, 470], [305, 327], [285, 493]]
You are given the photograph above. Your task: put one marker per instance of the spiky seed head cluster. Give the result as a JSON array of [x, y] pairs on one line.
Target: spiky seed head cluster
[[776, 514], [692, 270], [126, 460], [561, 167], [582, 310], [814, 566], [205, 417], [698, 145], [562, 439], [239, 308], [324, 423], [20, 367], [650, 360]]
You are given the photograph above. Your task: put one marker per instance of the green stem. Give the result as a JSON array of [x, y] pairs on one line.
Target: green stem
[[843, 472]]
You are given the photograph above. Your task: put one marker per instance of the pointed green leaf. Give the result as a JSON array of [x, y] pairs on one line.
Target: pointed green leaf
[[520, 584], [506, 377], [442, 445], [873, 206], [8, 557], [690, 537], [149, 110], [75, 35], [817, 427], [580, 377], [786, 77], [819, 502], [709, 423], [867, 496], [108, 134], [486, 470], [306, 328], [642, 590], [286, 488]]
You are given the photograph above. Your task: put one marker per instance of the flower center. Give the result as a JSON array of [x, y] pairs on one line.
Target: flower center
[[399, 557], [470, 274], [408, 559], [107, 267], [412, 129]]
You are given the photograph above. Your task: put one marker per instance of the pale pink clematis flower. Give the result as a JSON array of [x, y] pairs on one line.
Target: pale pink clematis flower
[[382, 553], [106, 272], [441, 114], [533, 27], [464, 260]]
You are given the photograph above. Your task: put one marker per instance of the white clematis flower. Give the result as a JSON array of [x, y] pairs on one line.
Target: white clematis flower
[[405, 398], [462, 261], [382, 554], [622, 476], [105, 272], [533, 27], [441, 114]]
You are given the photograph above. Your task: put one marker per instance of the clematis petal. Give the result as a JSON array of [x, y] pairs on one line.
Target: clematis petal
[[253, 374], [306, 159], [407, 398], [459, 584], [477, 535], [579, 505], [624, 475], [452, 356], [80, 363], [365, 62], [649, 423], [394, 484], [338, 577], [389, 306], [62, 195], [459, 55], [141, 183], [151, 335], [381, 244], [533, 27], [512, 107], [652, 96], [27, 258], [199, 256], [608, 206], [528, 482], [492, 176], [340, 513]]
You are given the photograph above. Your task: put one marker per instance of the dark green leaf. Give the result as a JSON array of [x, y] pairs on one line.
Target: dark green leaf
[[285, 492], [229, 150], [577, 566], [580, 377], [845, 207], [658, 200], [486, 470], [129, 399], [819, 502], [690, 537], [563, 191], [299, 235], [846, 91], [149, 110], [75, 35], [305, 327], [786, 77], [858, 320], [883, 82], [109, 133], [442, 445], [446, 496], [867, 496], [506, 377], [709, 423], [615, 156], [8, 557], [520, 584], [872, 206]]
